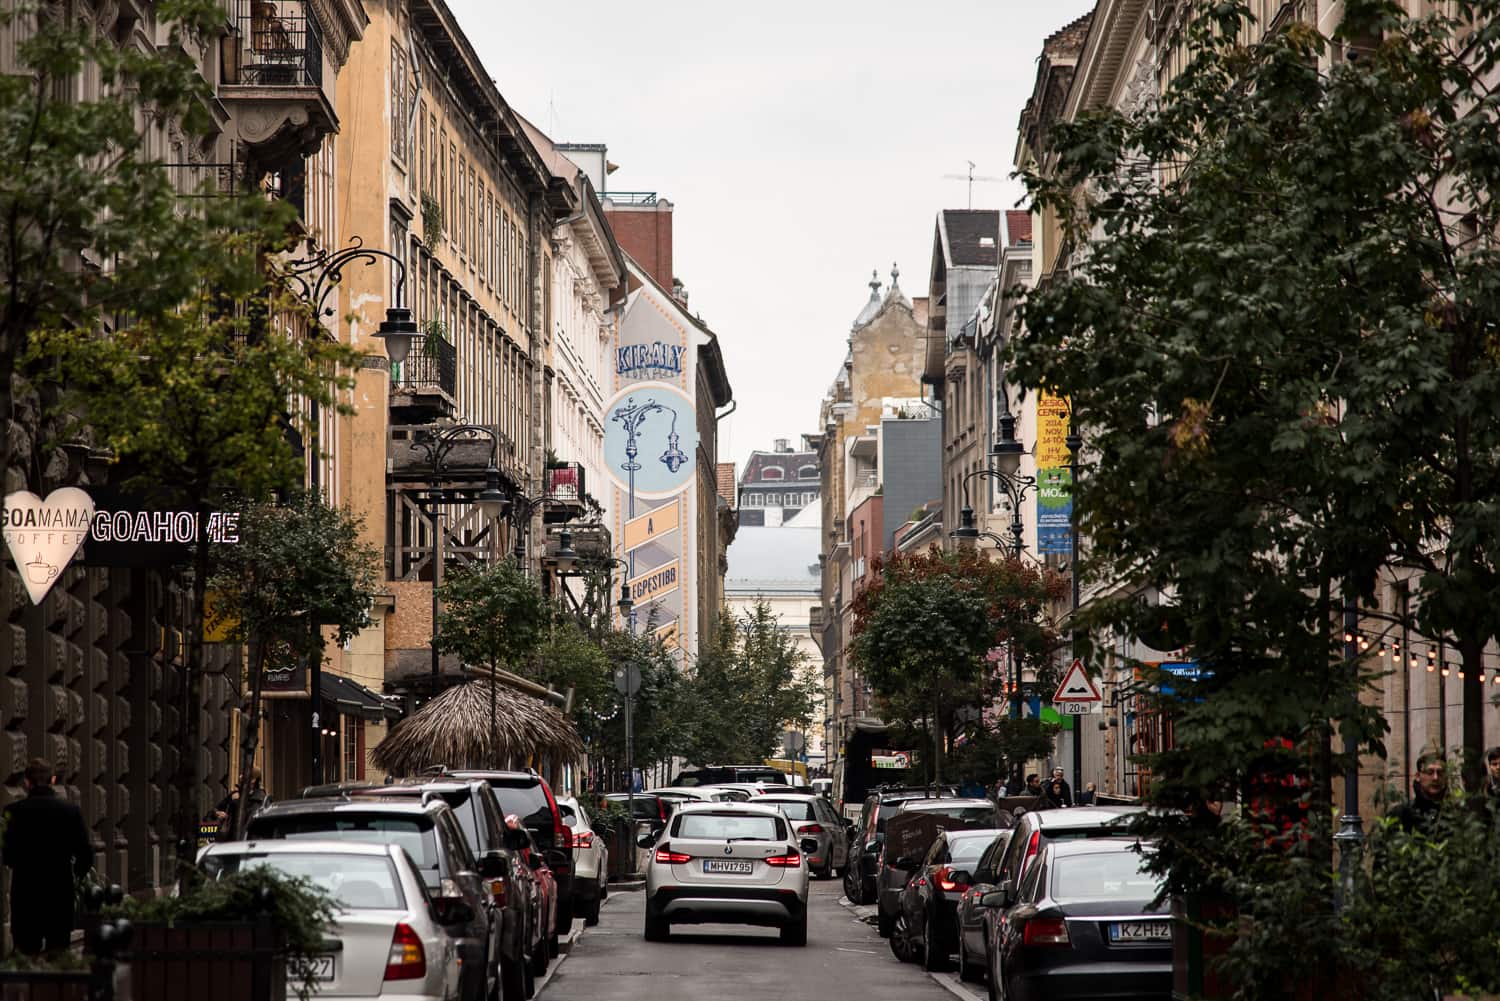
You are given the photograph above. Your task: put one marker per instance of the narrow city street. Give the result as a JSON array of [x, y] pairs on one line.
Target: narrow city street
[[844, 958]]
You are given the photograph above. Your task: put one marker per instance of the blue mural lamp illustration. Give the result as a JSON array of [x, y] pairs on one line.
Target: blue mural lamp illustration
[[632, 415]]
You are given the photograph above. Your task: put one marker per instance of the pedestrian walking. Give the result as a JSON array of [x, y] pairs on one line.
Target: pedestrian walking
[[46, 845], [1086, 798], [249, 794], [1067, 790], [1429, 789]]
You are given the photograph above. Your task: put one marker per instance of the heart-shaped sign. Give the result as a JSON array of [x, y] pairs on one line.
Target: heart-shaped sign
[[44, 535]]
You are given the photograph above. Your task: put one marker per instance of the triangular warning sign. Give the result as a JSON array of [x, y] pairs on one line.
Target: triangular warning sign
[[1077, 686]]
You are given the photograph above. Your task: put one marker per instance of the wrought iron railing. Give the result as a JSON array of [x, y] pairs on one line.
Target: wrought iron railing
[[431, 364], [280, 45]]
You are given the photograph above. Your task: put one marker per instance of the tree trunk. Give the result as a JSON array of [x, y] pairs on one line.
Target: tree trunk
[[190, 770], [937, 745], [1471, 649], [250, 739]]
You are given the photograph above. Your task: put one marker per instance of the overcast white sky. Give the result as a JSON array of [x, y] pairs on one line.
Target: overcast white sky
[[802, 144]]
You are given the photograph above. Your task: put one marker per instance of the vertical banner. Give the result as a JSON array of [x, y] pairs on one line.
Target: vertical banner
[[1054, 479]]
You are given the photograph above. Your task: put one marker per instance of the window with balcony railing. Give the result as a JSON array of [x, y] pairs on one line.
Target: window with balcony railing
[[277, 44]]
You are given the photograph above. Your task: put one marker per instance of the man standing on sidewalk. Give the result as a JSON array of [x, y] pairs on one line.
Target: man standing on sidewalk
[[46, 845]]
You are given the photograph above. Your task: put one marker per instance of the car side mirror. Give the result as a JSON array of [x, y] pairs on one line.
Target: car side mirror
[[1007, 891], [516, 839], [906, 862], [493, 864], [646, 840], [452, 910], [556, 857], [995, 898], [809, 844], [961, 876]]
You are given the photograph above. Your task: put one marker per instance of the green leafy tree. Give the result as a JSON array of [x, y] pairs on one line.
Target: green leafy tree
[[493, 615], [300, 566], [1280, 344], [657, 712], [748, 687], [924, 624]]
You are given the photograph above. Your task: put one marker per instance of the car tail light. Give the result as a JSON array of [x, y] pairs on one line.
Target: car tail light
[[666, 855], [785, 861], [661, 809], [583, 839], [407, 960], [564, 837], [1046, 931], [942, 875], [810, 829], [1032, 846]]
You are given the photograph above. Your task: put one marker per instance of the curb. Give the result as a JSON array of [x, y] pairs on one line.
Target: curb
[[950, 983], [565, 945], [627, 886]]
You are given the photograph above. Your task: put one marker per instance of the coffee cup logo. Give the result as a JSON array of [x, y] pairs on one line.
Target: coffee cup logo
[[43, 535]]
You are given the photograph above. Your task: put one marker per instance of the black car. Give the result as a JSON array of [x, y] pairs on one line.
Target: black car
[[432, 836], [523, 940], [971, 914], [868, 837], [1081, 925], [895, 865], [529, 797], [648, 806], [926, 928]]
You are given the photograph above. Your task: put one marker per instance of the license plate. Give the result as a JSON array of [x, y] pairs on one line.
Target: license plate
[[320, 968], [1140, 931], [742, 866]]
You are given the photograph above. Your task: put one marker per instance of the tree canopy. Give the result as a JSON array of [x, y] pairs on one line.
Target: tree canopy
[[492, 615], [1277, 331]]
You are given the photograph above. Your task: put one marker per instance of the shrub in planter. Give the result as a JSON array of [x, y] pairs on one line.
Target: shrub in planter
[[255, 913]]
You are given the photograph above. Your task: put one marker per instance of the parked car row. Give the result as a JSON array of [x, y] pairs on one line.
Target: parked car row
[[455, 885], [1058, 907]]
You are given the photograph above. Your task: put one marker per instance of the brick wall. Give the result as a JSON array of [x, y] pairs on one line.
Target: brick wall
[[645, 233]]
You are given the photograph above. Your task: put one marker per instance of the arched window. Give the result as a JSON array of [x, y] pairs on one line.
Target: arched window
[[773, 473], [807, 473]]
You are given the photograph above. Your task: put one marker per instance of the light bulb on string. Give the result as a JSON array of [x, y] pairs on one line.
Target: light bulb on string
[[1445, 670]]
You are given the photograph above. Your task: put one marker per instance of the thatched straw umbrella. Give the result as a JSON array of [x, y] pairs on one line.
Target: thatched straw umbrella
[[453, 729]]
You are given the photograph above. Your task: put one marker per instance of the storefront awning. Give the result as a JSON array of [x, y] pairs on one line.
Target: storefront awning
[[353, 699]]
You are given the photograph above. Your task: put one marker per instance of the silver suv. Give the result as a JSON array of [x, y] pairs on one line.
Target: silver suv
[[733, 863]]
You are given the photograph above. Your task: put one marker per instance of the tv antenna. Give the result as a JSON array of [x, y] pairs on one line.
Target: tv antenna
[[971, 177]]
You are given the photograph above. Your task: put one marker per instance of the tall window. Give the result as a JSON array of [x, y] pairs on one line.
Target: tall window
[[398, 247], [401, 98]]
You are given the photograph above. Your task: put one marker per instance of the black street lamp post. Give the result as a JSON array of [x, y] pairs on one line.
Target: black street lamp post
[[318, 276]]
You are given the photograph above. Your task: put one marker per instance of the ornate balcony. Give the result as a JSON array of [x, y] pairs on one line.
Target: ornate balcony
[[424, 388]]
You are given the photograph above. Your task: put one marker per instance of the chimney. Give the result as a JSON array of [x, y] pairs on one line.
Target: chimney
[[783, 445]]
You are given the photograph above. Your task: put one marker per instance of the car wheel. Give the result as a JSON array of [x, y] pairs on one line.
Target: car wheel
[[657, 929], [795, 933], [934, 951], [900, 936], [853, 885], [591, 912], [513, 980], [967, 972]]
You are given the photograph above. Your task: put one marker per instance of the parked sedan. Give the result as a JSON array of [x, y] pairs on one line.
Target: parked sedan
[[590, 861], [971, 913], [927, 916], [812, 817], [388, 938], [1081, 926]]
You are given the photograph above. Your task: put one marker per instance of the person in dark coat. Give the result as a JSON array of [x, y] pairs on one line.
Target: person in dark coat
[[1086, 798], [46, 845], [1033, 785], [1067, 790], [1053, 796], [1429, 789], [248, 792]]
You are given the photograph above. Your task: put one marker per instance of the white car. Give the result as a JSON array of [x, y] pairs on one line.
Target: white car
[[676, 795], [730, 863], [812, 817], [590, 861], [386, 941]]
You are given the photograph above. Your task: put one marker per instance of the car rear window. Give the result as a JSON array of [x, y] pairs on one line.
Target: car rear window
[[569, 815], [1103, 876], [526, 799], [723, 826], [966, 851], [793, 809], [967, 814], [355, 882], [413, 833]]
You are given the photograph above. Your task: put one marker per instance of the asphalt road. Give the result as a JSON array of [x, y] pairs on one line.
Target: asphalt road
[[843, 958]]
